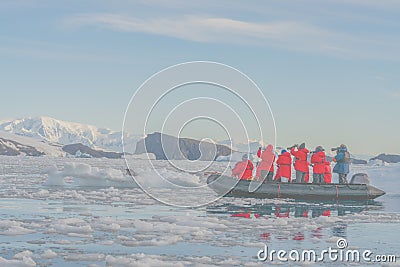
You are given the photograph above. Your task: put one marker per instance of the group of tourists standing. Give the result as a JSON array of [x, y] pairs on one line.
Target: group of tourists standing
[[322, 172]]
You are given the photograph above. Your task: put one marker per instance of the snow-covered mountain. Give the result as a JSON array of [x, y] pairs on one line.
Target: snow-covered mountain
[[62, 132]]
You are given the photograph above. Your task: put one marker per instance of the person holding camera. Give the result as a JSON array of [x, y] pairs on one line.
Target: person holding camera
[[318, 159], [342, 160], [300, 165]]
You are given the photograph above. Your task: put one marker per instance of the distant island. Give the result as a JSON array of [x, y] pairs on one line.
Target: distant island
[[387, 158], [45, 136], [167, 147]]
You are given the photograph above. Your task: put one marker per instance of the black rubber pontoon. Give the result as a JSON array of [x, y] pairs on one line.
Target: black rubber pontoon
[[305, 191]]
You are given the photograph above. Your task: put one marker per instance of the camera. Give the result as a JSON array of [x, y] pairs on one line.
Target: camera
[[335, 149], [289, 148]]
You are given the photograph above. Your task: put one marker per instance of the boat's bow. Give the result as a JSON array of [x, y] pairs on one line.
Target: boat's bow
[[374, 192], [212, 178]]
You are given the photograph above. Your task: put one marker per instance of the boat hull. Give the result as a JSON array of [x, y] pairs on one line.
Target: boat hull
[[304, 191]]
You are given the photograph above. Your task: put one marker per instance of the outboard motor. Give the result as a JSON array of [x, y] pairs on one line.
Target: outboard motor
[[360, 178]]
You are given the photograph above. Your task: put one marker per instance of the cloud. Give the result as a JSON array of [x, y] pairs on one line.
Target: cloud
[[395, 94], [291, 35], [379, 77], [203, 29], [186, 27]]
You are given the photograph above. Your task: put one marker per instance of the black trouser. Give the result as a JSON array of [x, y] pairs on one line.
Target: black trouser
[[318, 178], [342, 178], [300, 177], [267, 176]]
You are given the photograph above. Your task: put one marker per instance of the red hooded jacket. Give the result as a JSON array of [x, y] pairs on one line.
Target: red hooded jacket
[[301, 163], [284, 163], [328, 173], [243, 170], [267, 160], [318, 159]]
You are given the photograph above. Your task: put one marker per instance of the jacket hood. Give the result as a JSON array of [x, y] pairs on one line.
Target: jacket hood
[[268, 153], [269, 148]]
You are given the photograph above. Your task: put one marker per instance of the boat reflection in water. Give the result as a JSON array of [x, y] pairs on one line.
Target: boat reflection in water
[[292, 209]]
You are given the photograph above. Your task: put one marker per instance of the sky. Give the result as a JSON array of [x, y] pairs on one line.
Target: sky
[[330, 70]]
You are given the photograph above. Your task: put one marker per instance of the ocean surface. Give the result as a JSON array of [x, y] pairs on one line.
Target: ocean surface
[[87, 212]]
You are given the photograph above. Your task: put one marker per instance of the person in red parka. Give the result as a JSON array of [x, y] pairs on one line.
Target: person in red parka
[[265, 170], [300, 164], [243, 169], [284, 169], [318, 159], [328, 173]]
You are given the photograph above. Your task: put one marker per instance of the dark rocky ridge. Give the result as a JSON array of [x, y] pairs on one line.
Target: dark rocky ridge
[[72, 149], [13, 148], [165, 147], [387, 158]]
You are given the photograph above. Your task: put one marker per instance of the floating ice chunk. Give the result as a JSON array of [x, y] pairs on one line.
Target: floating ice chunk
[[164, 178], [106, 243], [49, 254], [189, 220], [229, 262], [72, 227], [42, 193], [63, 242], [122, 237], [67, 229], [79, 235], [201, 260], [85, 257], [71, 221], [55, 178], [108, 227], [8, 224], [17, 230], [21, 255], [333, 239], [159, 241], [142, 260], [85, 175], [24, 262], [118, 261]]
